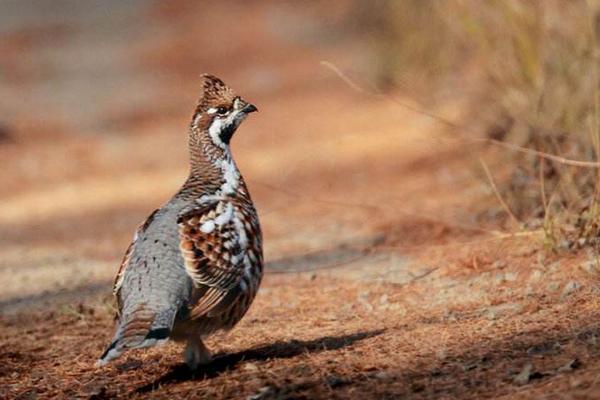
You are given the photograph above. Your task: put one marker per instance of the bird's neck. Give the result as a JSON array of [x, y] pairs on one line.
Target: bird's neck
[[212, 169]]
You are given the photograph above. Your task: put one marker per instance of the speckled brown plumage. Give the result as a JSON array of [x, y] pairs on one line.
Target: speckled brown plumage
[[195, 265]]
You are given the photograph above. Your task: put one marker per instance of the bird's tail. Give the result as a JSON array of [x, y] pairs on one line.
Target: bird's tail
[[140, 329]]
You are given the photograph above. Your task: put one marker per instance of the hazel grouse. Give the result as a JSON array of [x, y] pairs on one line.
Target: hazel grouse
[[195, 265]]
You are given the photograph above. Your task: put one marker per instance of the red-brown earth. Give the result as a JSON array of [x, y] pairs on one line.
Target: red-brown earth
[[384, 277]]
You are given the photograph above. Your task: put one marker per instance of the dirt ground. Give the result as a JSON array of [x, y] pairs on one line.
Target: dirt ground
[[387, 274]]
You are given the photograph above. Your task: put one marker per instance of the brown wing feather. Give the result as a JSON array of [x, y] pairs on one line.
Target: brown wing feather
[[210, 246], [207, 303], [121, 274], [122, 267]]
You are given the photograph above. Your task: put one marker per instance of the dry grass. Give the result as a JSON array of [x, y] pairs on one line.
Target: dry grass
[[534, 74]]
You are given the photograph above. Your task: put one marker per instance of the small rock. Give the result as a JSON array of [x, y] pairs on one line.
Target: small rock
[[536, 275], [501, 310], [250, 367], [565, 244], [525, 375], [591, 267], [363, 300], [441, 354], [591, 339], [336, 381], [500, 278], [541, 258], [264, 392], [553, 286], [398, 308], [576, 383], [499, 264], [383, 375], [554, 267], [570, 366], [570, 287]]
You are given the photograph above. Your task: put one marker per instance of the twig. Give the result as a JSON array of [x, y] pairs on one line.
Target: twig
[[541, 154], [457, 127], [417, 278]]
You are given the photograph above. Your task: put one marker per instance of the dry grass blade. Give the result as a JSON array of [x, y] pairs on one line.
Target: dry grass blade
[[497, 193]]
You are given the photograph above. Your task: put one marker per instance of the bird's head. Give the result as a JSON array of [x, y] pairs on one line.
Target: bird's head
[[219, 111]]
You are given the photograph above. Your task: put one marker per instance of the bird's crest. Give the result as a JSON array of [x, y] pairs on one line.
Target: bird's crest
[[215, 93]]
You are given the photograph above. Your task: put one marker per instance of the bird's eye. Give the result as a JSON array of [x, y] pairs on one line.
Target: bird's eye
[[222, 111]]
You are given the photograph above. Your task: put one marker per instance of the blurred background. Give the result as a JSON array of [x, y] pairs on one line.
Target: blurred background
[[386, 128], [97, 96]]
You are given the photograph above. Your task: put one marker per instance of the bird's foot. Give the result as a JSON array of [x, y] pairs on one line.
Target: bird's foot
[[196, 354]]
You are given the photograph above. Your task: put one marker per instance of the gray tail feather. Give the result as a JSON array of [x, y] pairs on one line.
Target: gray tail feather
[[141, 330], [122, 344]]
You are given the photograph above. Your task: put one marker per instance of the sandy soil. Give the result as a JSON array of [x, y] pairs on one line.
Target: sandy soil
[[388, 274]]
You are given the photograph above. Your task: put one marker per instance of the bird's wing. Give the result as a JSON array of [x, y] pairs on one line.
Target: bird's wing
[[213, 241], [126, 258]]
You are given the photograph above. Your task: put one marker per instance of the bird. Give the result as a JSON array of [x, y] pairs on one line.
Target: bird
[[195, 265]]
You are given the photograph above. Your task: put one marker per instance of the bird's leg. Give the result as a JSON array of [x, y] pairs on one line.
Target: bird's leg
[[196, 353]]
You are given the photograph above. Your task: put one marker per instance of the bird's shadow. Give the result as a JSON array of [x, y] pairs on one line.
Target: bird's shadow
[[224, 362]]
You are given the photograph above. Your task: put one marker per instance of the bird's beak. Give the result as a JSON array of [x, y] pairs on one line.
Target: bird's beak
[[248, 108]]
